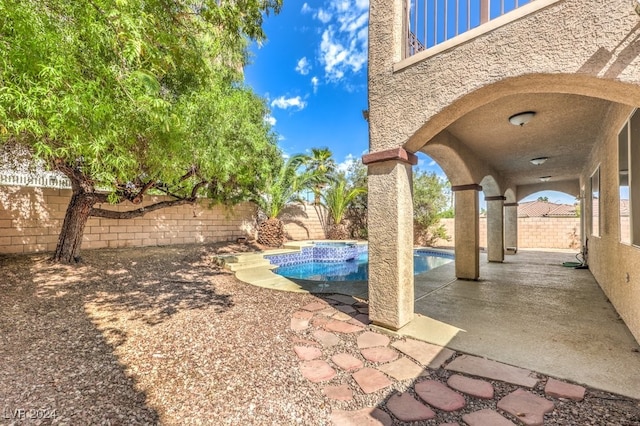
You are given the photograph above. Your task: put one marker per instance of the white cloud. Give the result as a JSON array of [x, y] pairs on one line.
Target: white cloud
[[343, 46], [303, 66], [323, 16], [315, 82], [348, 161], [270, 119], [432, 163], [306, 8], [286, 103]]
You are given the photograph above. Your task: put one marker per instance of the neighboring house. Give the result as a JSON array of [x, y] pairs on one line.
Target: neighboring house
[[546, 209], [509, 102]]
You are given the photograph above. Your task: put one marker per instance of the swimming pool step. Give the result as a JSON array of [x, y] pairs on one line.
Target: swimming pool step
[[257, 263]]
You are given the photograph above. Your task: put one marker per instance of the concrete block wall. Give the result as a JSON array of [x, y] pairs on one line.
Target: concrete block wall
[[304, 222], [533, 232], [31, 218]]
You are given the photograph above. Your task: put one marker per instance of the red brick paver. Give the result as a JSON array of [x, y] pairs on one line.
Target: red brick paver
[[407, 409], [559, 389], [317, 371], [347, 362], [486, 417], [338, 393], [439, 395], [402, 369], [529, 408], [307, 353], [341, 327], [474, 387], [476, 366], [369, 416], [369, 339], [325, 338], [371, 380], [426, 354], [379, 354]]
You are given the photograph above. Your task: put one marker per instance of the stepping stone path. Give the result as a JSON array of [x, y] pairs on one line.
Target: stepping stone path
[[350, 362]]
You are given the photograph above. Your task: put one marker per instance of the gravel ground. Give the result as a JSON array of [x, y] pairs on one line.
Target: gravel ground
[[163, 336]]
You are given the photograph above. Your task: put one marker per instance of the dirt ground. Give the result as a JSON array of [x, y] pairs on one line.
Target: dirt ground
[[161, 335]]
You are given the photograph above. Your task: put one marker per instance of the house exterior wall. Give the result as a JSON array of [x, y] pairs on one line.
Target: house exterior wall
[[533, 232]]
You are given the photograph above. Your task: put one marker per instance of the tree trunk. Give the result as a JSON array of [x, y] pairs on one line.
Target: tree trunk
[[75, 219]]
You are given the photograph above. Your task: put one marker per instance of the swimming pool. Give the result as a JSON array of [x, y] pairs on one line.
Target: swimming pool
[[356, 269]]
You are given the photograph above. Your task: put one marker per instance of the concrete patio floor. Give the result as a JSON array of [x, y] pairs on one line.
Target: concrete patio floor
[[533, 313]]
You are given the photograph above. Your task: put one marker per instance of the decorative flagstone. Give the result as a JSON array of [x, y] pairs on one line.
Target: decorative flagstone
[[402, 369], [327, 312], [361, 320], [347, 362], [338, 393], [307, 353], [526, 406], [474, 387], [341, 316], [314, 306], [439, 396], [303, 342], [450, 424], [341, 327], [370, 416], [407, 409], [476, 366], [317, 371], [347, 309], [379, 354], [559, 389], [369, 339], [486, 417], [432, 356], [319, 321], [303, 314], [342, 298], [371, 380], [299, 324], [325, 338]]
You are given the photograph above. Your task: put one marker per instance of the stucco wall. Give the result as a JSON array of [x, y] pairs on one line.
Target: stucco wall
[[615, 266], [533, 232]]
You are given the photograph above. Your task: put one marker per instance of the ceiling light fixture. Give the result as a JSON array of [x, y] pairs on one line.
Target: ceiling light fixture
[[545, 178], [521, 118], [538, 161]]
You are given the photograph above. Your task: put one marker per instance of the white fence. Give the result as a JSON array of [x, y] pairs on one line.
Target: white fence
[[43, 180]]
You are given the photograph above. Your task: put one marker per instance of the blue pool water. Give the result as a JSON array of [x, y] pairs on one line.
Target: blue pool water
[[356, 269]]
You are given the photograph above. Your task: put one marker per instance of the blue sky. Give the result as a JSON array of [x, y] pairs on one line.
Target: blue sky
[[312, 69]]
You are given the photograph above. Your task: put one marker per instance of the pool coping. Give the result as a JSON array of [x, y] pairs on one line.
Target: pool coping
[[256, 270]]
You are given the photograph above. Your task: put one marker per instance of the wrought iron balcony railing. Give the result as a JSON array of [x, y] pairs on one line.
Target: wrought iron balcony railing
[[431, 22]]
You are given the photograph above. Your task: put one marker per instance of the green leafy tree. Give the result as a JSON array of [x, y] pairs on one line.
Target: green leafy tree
[[356, 214], [337, 199], [430, 200], [128, 97], [281, 188], [543, 199]]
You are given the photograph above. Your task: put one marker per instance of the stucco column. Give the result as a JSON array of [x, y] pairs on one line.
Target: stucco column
[[495, 228], [390, 219], [467, 231], [511, 227]]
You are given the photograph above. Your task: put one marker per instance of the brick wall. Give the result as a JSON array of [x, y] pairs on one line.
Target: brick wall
[[31, 218], [533, 232], [304, 222], [30, 221]]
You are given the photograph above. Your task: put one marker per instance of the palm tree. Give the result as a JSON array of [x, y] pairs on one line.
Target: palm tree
[[336, 199], [281, 189], [321, 164]]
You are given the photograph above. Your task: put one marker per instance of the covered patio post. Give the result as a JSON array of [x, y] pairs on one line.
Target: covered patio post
[[511, 227], [495, 228], [467, 231], [390, 219]]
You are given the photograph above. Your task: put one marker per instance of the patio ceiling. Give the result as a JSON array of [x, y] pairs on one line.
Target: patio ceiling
[[564, 129]]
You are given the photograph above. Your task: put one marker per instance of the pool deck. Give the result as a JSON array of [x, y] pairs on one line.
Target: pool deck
[[528, 311]]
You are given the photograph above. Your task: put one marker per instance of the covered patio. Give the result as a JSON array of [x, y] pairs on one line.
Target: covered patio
[[533, 313]]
